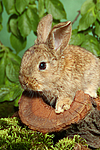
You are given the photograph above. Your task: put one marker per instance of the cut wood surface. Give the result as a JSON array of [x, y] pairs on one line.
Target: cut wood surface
[[83, 117], [36, 114]]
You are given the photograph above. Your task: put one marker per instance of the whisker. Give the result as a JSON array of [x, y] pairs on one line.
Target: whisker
[[36, 94]]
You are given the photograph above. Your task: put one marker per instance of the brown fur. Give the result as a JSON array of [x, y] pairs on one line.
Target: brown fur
[[69, 68]]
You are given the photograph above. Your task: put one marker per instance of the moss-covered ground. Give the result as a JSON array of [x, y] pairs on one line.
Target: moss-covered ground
[[16, 136]]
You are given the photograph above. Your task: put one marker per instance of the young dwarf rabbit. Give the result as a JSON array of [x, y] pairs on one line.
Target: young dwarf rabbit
[[57, 68]]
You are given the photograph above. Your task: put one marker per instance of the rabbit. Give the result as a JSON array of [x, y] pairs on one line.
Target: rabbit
[[58, 69]]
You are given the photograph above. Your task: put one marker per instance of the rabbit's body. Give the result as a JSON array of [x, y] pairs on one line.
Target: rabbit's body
[[58, 69]]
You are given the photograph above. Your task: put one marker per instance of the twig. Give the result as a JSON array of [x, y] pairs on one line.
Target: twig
[[1, 43], [76, 16]]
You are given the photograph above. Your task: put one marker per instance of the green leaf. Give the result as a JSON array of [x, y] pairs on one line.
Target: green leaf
[[14, 58], [32, 1], [90, 43], [1, 48], [9, 93], [98, 11], [86, 7], [87, 20], [97, 28], [41, 8], [98, 5], [98, 15], [21, 5], [13, 25], [17, 91], [1, 55], [1, 7], [17, 99], [2, 70], [24, 25], [17, 43], [0, 18], [76, 38], [3, 92], [56, 9], [33, 17], [88, 15], [1, 26], [12, 71], [10, 6]]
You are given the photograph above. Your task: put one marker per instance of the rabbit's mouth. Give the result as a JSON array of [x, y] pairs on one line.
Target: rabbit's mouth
[[38, 94], [29, 83]]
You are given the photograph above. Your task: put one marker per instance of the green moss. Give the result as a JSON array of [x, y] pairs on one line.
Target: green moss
[[98, 91], [16, 136], [69, 144]]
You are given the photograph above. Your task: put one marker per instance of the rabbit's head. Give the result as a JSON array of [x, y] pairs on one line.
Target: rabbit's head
[[42, 63]]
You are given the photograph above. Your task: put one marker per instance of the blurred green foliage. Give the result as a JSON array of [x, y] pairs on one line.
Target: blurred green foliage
[[10, 88], [87, 34], [1, 11], [25, 15]]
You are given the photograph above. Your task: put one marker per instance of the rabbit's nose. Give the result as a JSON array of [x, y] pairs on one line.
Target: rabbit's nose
[[23, 82]]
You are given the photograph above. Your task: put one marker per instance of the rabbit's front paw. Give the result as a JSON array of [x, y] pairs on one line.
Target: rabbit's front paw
[[62, 105], [91, 92]]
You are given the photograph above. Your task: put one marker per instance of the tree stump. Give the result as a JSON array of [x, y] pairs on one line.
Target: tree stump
[[82, 118]]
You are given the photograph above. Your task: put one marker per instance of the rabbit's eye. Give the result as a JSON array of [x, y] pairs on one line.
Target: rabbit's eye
[[42, 66]]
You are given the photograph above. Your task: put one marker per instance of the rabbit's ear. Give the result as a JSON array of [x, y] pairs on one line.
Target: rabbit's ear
[[59, 36], [43, 29]]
